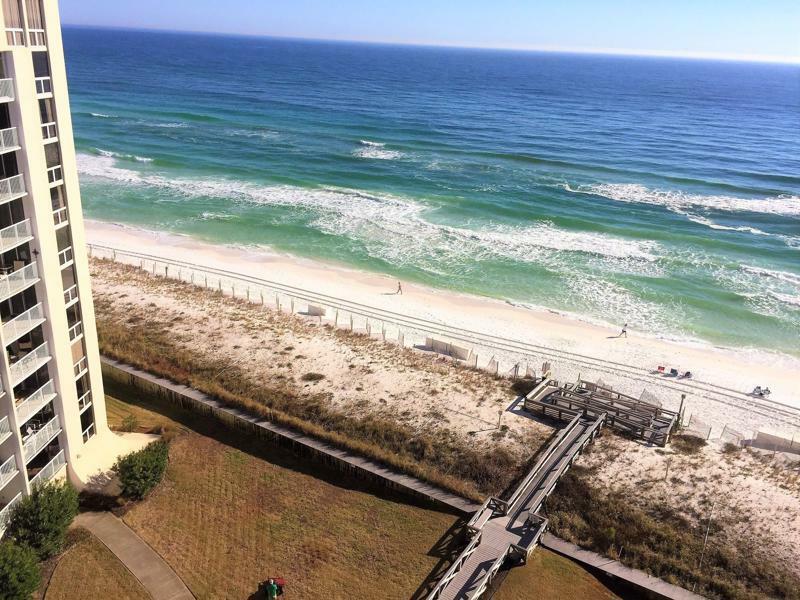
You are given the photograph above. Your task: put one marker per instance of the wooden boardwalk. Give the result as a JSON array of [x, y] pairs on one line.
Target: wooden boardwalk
[[510, 529]]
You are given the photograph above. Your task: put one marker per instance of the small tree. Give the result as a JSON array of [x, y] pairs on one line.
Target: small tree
[[40, 521], [19, 572], [141, 471]]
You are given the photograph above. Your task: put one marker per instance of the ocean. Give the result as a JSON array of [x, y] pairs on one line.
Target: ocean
[[661, 193]]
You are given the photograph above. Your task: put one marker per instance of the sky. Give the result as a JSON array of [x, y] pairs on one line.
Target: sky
[[732, 29]]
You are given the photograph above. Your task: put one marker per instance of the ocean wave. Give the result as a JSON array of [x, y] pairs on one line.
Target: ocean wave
[[110, 154], [253, 133], [711, 224], [173, 125], [786, 298], [783, 276], [680, 202], [101, 115], [377, 152], [214, 216], [394, 228], [371, 144]]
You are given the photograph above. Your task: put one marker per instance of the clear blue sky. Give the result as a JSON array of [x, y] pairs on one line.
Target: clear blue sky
[[756, 29]]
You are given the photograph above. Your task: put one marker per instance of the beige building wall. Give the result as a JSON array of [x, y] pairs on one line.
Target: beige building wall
[[65, 416]]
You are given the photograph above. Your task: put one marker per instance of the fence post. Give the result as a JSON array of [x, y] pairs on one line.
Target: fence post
[[248, 293], [233, 291], [336, 319], [114, 255], [166, 271], [154, 267], [141, 264], [351, 322], [261, 293], [192, 277], [292, 305], [180, 273]]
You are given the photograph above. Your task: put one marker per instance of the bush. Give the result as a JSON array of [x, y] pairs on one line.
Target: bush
[[141, 471], [40, 521], [523, 387], [686, 443], [130, 423], [313, 377], [19, 572]]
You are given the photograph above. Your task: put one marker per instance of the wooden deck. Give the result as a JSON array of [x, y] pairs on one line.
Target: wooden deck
[[511, 529]]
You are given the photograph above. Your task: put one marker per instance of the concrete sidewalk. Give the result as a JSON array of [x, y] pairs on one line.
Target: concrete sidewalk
[[147, 566]]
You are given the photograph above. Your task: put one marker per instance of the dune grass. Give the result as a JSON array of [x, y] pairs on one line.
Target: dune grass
[[89, 570]]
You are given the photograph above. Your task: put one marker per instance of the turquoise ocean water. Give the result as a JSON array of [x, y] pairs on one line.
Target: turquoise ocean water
[[662, 193]]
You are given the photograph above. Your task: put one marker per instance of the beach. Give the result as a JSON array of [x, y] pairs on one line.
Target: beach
[[733, 372]]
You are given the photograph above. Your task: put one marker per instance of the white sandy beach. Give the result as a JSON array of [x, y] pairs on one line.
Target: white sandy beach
[[735, 372]]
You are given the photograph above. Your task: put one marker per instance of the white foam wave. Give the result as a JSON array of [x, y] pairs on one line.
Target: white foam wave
[[214, 216], [709, 223], [110, 154], [253, 133], [371, 144], [177, 125], [784, 276], [786, 298], [391, 227], [101, 115], [681, 201], [377, 152]]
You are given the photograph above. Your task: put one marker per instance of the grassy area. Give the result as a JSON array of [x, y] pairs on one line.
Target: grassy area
[[439, 456], [232, 512], [89, 570], [548, 576], [663, 543]]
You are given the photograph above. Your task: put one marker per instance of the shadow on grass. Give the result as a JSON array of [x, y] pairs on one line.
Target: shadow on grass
[[262, 448], [446, 549]]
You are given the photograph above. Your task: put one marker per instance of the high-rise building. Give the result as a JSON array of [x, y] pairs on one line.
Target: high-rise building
[[52, 408]]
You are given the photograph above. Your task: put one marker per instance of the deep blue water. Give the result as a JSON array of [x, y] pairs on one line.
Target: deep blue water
[[663, 193]]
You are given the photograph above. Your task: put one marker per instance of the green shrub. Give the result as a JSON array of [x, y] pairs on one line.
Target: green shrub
[[40, 521], [19, 572], [686, 443], [141, 471], [130, 423]]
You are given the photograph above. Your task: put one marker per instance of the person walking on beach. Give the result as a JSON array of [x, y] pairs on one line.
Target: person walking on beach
[[272, 590], [624, 332], [399, 288]]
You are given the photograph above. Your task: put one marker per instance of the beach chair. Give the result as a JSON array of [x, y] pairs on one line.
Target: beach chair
[[673, 372], [661, 369]]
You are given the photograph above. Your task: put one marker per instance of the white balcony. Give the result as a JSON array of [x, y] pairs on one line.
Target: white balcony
[[60, 217], [5, 513], [50, 132], [65, 257], [29, 364], [80, 368], [37, 38], [35, 402], [15, 235], [23, 323], [9, 140], [50, 469], [71, 296], [55, 175], [75, 331], [8, 470], [85, 402], [7, 90], [5, 429], [17, 281], [12, 188], [88, 433], [33, 444], [44, 87]]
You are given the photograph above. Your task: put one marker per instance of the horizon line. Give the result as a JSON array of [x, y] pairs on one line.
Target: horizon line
[[675, 54]]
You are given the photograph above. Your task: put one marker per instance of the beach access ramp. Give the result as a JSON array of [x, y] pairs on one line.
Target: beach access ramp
[[510, 529]]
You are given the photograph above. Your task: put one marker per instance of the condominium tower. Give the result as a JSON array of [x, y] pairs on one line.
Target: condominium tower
[[52, 409]]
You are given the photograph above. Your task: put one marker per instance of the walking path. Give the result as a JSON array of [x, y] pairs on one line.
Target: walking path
[[147, 566]]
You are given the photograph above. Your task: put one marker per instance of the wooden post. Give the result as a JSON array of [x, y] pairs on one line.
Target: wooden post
[[666, 473], [292, 305], [261, 293], [141, 264], [248, 293], [114, 255], [351, 322], [206, 280], [179, 274], [192, 277], [336, 319]]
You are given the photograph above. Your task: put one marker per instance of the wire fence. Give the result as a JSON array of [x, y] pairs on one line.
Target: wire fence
[[480, 350]]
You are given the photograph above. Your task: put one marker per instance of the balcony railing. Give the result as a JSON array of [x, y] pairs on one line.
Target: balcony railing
[[49, 132], [88, 433], [71, 296], [16, 234], [50, 469], [19, 280], [35, 402], [12, 188], [9, 140], [7, 90], [5, 514], [75, 331], [34, 444], [8, 471], [80, 367], [22, 324], [37, 37], [15, 36], [55, 175], [85, 401], [5, 429], [65, 256], [29, 364], [44, 86]]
